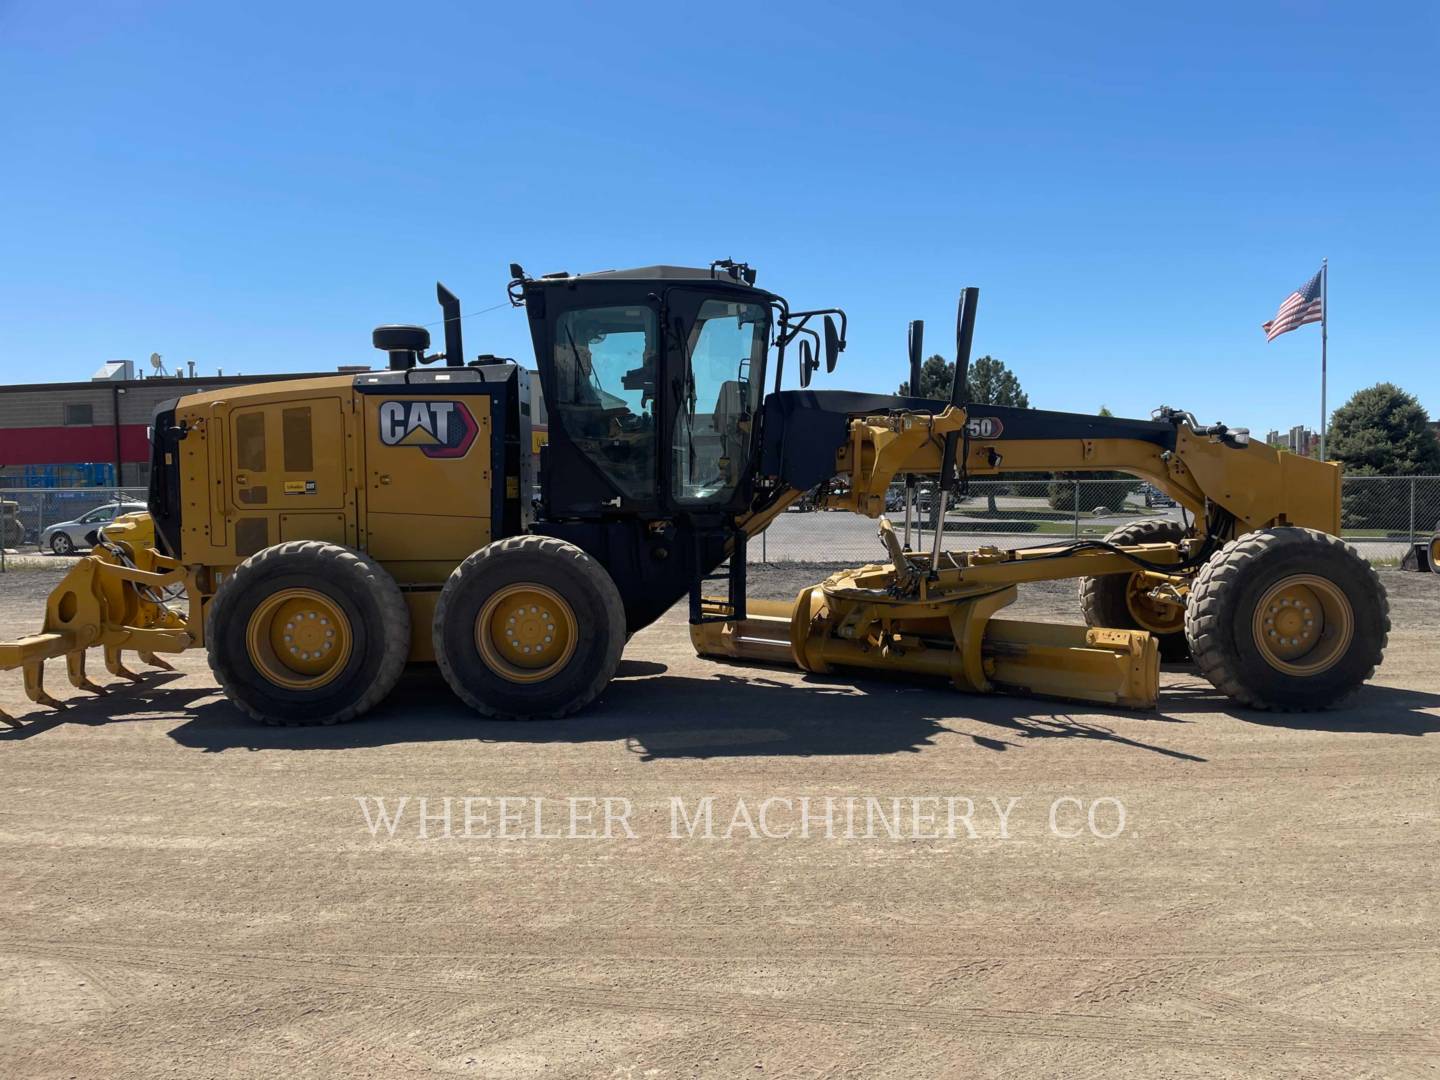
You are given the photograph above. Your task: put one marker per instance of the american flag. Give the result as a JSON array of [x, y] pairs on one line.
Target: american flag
[[1304, 305]]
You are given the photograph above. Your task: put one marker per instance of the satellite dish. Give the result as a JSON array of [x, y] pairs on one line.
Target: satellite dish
[[157, 363]]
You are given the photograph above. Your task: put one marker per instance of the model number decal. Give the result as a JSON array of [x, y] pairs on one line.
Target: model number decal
[[440, 429], [984, 427]]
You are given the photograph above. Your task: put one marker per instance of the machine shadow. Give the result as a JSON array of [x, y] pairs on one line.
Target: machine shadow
[[153, 694], [740, 712], [1374, 710]]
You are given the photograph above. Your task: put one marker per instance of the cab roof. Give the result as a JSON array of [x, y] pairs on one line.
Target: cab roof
[[649, 273]]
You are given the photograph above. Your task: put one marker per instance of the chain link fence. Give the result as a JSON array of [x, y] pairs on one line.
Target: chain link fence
[[29, 517], [1382, 516]]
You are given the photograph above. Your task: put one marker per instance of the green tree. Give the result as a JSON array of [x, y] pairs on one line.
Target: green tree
[[990, 382], [1385, 430], [935, 378], [1381, 431]]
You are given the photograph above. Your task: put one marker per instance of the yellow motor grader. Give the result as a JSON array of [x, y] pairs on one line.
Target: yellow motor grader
[[327, 532]]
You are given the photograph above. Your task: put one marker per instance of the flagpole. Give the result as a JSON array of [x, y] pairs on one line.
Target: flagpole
[[1324, 336]]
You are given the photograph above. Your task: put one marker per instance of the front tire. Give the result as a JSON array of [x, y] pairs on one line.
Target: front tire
[[529, 627], [61, 544], [1119, 600], [306, 632], [1287, 619]]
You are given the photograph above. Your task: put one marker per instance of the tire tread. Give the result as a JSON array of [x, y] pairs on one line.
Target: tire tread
[[1207, 606], [376, 580], [1098, 593], [554, 548]]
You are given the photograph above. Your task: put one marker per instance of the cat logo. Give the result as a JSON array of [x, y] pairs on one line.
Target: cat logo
[[441, 429], [984, 427]]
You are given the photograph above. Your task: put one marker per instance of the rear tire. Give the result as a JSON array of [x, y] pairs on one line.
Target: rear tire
[[529, 627], [1287, 619], [307, 633], [1110, 600]]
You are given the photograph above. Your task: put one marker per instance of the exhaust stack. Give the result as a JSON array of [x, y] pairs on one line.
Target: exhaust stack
[[450, 306]]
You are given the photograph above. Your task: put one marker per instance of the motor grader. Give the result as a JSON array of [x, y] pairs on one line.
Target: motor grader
[[327, 532]]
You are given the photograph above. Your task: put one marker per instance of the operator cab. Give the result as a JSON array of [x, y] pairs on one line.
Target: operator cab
[[633, 361], [653, 379]]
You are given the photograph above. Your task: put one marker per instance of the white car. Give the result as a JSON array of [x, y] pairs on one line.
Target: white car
[[68, 537]]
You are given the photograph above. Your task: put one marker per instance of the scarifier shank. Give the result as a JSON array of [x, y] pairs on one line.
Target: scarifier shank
[[103, 602]]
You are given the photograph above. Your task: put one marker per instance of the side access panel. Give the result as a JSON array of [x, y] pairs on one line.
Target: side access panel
[[428, 478], [263, 464], [440, 477]]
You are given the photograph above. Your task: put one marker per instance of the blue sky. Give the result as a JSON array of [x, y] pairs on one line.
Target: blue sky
[[1135, 188]]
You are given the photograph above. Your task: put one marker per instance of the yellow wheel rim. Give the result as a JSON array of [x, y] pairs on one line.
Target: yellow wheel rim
[[1149, 613], [1303, 625], [299, 639], [526, 633], [1435, 554]]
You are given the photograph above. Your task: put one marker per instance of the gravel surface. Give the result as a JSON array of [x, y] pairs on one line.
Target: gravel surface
[[189, 894]]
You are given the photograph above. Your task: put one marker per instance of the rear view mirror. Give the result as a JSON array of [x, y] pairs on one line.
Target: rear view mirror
[[808, 363], [833, 344]]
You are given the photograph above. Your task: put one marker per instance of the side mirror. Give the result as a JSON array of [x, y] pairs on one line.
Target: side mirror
[[833, 345], [808, 363]]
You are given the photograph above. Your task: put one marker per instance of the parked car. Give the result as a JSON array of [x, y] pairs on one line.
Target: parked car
[[68, 537], [1155, 497]]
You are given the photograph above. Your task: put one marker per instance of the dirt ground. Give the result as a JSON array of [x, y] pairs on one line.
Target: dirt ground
[[186, 894]]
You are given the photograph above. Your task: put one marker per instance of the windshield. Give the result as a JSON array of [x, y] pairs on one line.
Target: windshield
[[713, 425]]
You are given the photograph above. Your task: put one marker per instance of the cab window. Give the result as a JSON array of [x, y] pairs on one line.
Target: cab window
[[605, 373], [712, 444]]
